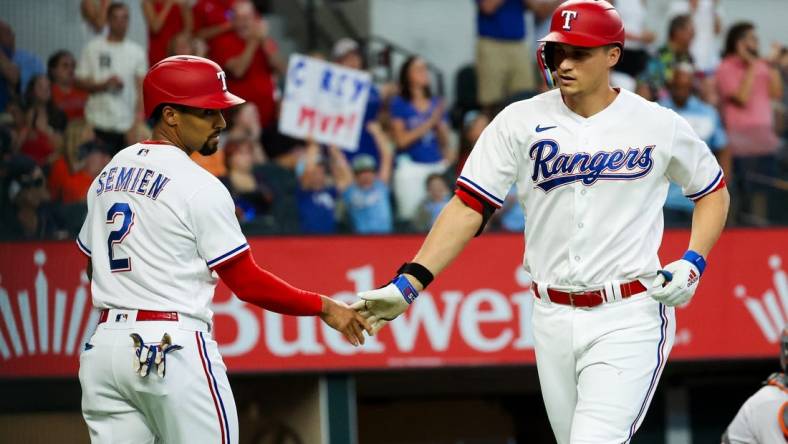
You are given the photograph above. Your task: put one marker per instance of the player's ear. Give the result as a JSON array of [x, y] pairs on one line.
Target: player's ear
[[169, 115], [613, 55]]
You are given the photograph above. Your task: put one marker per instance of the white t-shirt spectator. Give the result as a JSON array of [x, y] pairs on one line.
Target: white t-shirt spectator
[[102, 59]]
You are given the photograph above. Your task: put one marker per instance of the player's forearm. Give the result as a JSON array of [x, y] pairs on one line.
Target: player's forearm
[[210, 32], [239, 65], [256, 286], [404, 138], [455, 226], [708, 220], [89, 85], [742, 95], [775, 84]]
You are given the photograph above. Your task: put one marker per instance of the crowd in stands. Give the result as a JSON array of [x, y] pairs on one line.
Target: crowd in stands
[[62, 121]]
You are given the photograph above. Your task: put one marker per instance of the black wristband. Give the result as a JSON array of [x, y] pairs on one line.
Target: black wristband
[[418, 271]]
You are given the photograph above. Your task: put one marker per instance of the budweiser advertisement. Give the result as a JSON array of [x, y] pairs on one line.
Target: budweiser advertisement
[[476, 314]]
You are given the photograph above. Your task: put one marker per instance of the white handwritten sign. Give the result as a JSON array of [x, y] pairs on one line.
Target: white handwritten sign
[[324, 101]]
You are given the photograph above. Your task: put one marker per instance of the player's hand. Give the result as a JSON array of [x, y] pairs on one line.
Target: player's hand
[[384, 304], [345, 320], [676, 284]]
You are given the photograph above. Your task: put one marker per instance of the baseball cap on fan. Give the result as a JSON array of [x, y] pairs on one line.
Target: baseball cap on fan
[[343, 47], [187, 80]]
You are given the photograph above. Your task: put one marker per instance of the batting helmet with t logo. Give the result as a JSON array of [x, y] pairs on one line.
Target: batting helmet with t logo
[[586, 23], [187, 80]]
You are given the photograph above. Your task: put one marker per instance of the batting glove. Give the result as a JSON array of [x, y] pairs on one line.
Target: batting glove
[[677, 283], [384, 304]]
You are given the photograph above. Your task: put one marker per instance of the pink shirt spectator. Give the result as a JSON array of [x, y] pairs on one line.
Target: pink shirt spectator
[[750, 127]]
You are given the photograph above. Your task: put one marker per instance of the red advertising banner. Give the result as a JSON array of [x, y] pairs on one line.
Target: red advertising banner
[[476, 314]]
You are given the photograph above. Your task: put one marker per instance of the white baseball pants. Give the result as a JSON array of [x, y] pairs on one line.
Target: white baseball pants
[[599, 367], [191, 403]]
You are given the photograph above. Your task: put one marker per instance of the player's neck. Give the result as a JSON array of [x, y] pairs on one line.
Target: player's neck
[[161, 134], [588, 104]]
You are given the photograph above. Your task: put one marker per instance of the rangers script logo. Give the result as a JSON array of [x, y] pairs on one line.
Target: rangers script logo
[[553, 169]]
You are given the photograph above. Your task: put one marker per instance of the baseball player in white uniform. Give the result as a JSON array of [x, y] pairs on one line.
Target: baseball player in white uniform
[[159, 230], [763, 419], [592, 166]]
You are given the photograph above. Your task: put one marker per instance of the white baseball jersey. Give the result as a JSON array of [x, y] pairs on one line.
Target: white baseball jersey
[[592, 188], [759, 419], [157, 224]]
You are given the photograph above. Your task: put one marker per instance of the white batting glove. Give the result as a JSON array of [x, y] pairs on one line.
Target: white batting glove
[[677, 283], [382, 305]]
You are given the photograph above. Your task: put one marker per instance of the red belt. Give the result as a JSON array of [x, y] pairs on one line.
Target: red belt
[[144, 315], [590, 298]]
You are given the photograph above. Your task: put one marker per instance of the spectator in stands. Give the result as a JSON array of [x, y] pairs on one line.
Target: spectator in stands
[[111, 69], [94, 12], [512, 216], [212, 23], [186, 44], [45, 122], [365, 192], [82, 160], [504, 60], [165, 20], [316, 193], [16, 65], [250, 193], [347, 52], [245, 125], [659, 69], [747, 84], [473, 123], [65, 94], [250, 59], [706, 122], [31, 216], [421, 134], [638, 37], [707, 21], [438, 195], [9, 72]]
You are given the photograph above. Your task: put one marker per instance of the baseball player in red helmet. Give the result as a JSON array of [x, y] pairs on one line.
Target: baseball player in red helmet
[[159, 233], [592, 165]]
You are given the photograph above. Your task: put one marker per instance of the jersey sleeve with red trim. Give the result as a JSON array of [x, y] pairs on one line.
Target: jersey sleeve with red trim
[[491, 168], [692, 164], [211, 217]]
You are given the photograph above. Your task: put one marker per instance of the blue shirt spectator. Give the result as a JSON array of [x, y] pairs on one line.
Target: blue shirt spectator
[[369, 208], [427, 148], [366, 143], [512, 215], [366, 194], [506, 23], [27, 64], [316, 210], [316, 195]]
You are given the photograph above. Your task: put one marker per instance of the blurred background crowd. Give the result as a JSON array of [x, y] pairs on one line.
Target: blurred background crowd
[[64, 115]]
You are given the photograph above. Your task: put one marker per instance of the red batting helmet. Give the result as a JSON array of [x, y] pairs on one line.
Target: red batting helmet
[[187, 80], [586, 23]]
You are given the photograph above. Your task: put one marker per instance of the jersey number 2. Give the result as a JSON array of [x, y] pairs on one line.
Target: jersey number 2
[[117, 236]]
